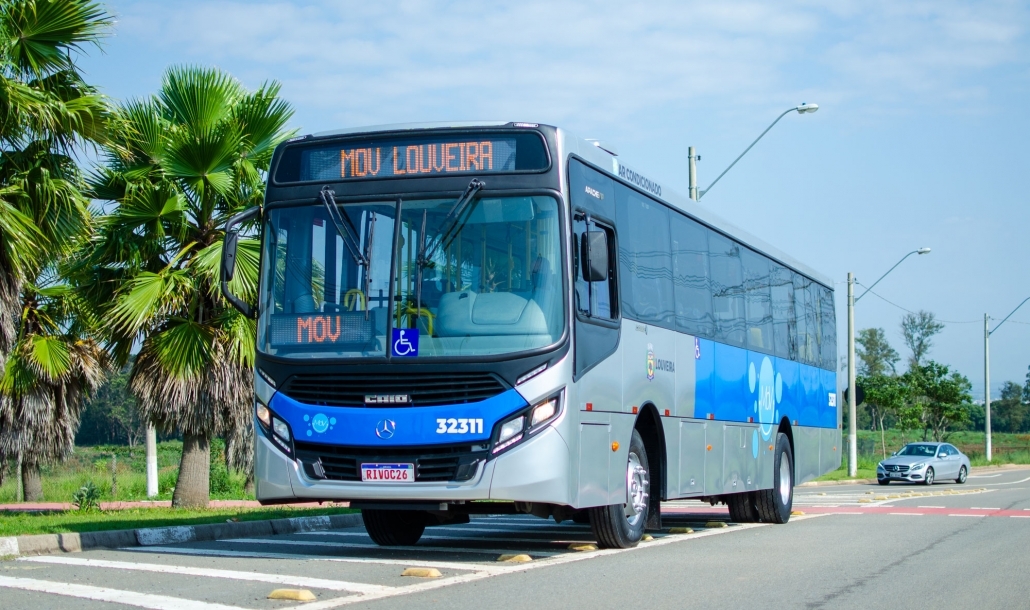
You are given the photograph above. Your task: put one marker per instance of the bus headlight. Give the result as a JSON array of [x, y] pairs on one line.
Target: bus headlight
[[527, 422], [280, 428], [264, 415]]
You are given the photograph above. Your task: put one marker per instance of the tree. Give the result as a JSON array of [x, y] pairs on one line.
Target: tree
[[48, 357], [180, 165], [1010, 413], [941, 395], [876, 357], [918, 330], [1026, 387], [888, 396], [111, 416]]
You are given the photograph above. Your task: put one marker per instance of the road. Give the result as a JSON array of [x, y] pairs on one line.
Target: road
[[859, 546]]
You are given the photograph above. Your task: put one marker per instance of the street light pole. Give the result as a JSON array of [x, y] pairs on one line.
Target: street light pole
[[696, 194], [852, 394], [987, 373], [852, 390]]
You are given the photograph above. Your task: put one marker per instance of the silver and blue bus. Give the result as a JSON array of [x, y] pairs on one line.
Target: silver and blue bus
[[481, 318]]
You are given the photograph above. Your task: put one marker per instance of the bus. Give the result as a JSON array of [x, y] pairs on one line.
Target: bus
[[483, 318]]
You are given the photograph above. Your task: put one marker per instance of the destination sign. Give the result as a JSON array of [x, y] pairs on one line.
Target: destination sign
[[322, 328], [456, 154]]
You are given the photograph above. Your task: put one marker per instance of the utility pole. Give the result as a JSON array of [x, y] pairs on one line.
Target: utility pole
[[692, 192], [987, 383], [152, 490], [852, 390]]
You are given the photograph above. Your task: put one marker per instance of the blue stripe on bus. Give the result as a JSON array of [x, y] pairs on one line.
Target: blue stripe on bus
[[733, 384], [356, 426]]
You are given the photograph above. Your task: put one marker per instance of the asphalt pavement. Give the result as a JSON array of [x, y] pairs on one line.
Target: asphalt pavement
[[855, 546]]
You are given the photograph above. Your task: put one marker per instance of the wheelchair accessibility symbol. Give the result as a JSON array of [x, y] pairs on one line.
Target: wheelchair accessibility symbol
[[405, 342]]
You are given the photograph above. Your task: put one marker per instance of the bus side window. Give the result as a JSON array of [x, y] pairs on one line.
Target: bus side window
[[691, 281], [785, 334], [757, 302], [594, 299], [829, 339], [727, 289], [645, 260]]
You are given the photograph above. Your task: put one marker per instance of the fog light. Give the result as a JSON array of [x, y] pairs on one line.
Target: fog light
[[264, 415], [544, 411], [280, 428], [511, 428]]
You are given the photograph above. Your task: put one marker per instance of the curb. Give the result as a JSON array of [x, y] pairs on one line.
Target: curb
[[46, 544]]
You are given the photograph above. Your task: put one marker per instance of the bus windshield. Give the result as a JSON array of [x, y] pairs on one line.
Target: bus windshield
[[483, 281]]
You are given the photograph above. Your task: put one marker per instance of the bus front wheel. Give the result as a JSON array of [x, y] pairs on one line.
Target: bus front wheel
[[621, 526], [394, 527]]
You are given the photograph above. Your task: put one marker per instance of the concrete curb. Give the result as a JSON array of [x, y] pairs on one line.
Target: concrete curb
[[46, 544]]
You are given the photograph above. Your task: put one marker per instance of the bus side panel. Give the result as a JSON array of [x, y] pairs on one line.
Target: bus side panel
[[828, 413], [730, 383], [692, 456], [806, 453], [594, 440], [740, 465], [829, 450], [713, 457]]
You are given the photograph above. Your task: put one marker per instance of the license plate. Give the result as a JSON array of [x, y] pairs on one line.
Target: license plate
[[896, 475], [388, 473]]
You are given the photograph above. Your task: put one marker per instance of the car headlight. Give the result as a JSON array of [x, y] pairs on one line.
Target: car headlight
[[918, 466]]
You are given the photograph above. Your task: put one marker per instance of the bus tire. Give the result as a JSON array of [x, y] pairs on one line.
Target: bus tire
[[774, 504], [743, 508], [611, 525], [394, 527]]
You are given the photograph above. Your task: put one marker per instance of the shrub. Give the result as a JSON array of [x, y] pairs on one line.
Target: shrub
[[87, 499]]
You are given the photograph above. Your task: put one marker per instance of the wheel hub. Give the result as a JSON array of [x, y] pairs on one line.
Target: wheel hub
[[636, 489], [784, 482]]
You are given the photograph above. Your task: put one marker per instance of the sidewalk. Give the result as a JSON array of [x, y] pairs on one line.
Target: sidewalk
[[58, 506]]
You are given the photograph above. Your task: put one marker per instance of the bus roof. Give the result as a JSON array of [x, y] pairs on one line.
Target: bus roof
[[590, 151]]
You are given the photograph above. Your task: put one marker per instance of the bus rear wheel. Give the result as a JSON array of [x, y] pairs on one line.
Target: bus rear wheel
[[774, 504], [621, 526], [394, 527], [742, 508]]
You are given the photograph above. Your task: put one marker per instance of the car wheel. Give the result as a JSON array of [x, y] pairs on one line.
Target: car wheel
[[394, 527], [621, 526], [883, 481], [774, 504], [742, 508], [929, 476], [962, 474]]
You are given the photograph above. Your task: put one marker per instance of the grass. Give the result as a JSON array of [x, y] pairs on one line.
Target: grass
[[1006, 449], [27, 523], [62, 480]]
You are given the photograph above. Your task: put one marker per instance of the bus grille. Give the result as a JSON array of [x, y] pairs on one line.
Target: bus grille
[[425, 389], [439, 463]]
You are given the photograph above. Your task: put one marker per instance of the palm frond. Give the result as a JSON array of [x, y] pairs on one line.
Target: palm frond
[[45, 31]]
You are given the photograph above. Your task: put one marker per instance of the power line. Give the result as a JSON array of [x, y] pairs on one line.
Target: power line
[[914, 313]]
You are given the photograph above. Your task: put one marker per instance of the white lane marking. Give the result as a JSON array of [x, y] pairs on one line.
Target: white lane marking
[[984, 476], [300, 581], [983, 508], [908, 514], [351, 545], [920, 506], [440, 565], [116, 596], [967, 515], [543, 563], [1020, 516], [1013, 482], [518, 540]]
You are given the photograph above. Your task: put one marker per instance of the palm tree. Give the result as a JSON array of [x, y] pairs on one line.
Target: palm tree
[[47, 113], [179, 165]]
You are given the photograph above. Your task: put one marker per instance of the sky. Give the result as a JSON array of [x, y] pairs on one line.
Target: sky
[[919, 141]]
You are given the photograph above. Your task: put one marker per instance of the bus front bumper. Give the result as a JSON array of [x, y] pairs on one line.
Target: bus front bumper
[[536, 470]]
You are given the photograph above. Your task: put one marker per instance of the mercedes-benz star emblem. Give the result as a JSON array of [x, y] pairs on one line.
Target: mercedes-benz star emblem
[[385, 428]]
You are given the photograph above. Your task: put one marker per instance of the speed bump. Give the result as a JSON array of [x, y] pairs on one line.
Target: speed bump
[[520, 558], [646, 538], [579, 546], [797, 513], [880, 498], [715, 524], [293, 595], [422, 572], [680, 530], [864, 501]]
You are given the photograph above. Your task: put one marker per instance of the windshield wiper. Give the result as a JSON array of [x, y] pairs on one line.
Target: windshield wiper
[[349, 234], [452, 224], [343, 226]]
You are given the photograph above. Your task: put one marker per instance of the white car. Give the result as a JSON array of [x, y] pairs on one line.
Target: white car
[[924, 463]]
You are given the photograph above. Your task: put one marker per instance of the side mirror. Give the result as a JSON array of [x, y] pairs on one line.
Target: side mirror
[[594, 256], [228, 267], [894, 453]]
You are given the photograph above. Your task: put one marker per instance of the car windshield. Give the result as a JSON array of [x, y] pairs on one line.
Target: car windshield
[[919, 450], [483, 281]]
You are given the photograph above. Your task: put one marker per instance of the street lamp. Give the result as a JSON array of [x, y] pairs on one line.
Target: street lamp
[[987, 372], [696, 194], [852, 393]]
